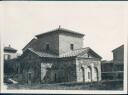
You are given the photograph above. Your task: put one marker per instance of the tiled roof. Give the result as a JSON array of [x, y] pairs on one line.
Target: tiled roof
[[9, 49], [30, 43], [42, 54], [73, 53], [60, 30]]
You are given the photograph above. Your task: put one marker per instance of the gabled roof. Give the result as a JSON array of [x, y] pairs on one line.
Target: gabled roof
[[73, 53], [10, 49], [60, 30], [79, 52], [30, 43], [42, 54]]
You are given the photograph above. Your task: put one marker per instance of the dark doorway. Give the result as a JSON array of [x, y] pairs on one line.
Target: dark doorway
[[29, 77], [83, 74], [55, 79]]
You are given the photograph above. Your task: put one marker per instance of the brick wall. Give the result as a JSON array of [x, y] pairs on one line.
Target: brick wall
[[51, 39], [58, 70], [118, 55], [66, 39], [30, 63], [58, 42]]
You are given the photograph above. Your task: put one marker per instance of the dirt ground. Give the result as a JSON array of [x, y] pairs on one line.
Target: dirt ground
[[103, 85]]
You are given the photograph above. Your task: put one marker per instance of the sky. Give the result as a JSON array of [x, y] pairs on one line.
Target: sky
[[102, 23]]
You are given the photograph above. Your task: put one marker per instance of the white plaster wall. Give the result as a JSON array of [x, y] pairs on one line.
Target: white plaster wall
[[12, 55], [85, 63], [44, 70]]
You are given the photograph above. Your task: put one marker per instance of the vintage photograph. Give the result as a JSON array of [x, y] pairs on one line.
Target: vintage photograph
[[63, 46]]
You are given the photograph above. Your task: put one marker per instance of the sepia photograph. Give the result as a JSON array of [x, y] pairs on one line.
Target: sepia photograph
[[63, 47]]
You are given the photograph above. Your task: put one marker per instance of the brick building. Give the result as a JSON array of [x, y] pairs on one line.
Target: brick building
[[107, 70], [114, 69], [58, 56], [118, 62]]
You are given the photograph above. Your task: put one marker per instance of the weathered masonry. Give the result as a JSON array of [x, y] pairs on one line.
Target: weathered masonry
[[58, 56]]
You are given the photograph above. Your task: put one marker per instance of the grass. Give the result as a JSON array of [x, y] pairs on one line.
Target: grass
[[103, 85]]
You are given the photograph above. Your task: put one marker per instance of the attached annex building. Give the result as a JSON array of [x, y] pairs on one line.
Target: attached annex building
[[9, 53], [58, 56]]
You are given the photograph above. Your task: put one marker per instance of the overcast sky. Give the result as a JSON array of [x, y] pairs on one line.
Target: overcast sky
[[102, 23]]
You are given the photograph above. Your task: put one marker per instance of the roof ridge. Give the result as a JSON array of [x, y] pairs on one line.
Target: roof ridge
[[41, 52], [118, 47], [47, 32], [86, 49], [77, 51], [7, 47], [82, 48], [31, 49], [71, 31], [31, 41]]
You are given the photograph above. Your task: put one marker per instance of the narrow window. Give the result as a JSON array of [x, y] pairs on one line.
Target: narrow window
[[71, 46], [47, 46], [9, 57]]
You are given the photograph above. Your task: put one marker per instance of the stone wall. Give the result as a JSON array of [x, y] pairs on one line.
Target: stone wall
[[59, 42], [69, 67], [58, 70], [84, 66], [46, 66], [66, 39], [106, 67], [51, 39], [12, 55], [47, 70], [30, 64], [118, 55]]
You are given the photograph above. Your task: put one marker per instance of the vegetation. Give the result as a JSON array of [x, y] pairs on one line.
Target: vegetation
[[103, 85]]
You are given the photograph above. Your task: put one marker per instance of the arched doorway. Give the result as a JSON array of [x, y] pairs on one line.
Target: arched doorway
[[89, 74], [29, 77], [83, 74], [95, 74]]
